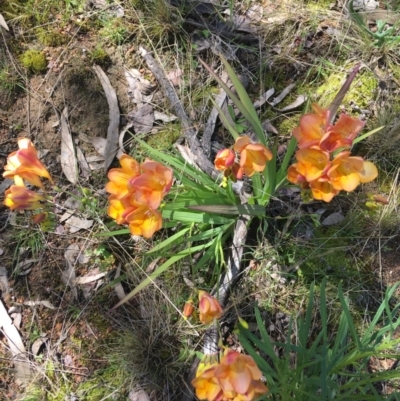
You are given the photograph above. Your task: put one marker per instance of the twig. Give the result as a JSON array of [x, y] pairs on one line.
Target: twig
[[188, 131]]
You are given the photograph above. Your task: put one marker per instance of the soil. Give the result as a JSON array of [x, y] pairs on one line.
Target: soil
[[75, 324]]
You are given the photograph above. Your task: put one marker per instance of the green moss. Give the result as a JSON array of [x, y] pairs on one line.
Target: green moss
[[165, 138], [111, 379], [361, 92], [34, 60], [100, 57], [51, 37], [288, 124]]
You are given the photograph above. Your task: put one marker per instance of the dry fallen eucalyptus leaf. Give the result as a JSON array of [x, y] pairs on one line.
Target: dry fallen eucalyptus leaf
[[114, 115], [16, 347], [3, 23], [69, 163]]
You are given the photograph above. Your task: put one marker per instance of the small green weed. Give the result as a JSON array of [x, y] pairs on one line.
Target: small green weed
[[114, 31], [10, 81]]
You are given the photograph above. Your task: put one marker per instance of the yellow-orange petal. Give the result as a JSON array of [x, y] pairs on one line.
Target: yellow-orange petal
[[116, 209], [310, 130], [323, 190], [241, 143], [312, 163], [144, 221], [129, 165], [369, 172], [348, 127], [29, 160], [294, 176]]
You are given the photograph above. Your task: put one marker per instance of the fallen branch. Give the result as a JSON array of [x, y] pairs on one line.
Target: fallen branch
[[189, 133]]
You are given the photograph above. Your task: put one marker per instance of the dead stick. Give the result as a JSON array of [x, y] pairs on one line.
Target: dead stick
[[190, 134]]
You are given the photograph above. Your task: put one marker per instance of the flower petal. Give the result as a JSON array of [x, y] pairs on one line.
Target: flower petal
[[369, 172]]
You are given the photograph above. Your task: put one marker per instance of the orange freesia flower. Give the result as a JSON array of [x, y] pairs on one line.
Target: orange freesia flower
[[314, 130], [235, 378], [295, 177], [188, 309], [312, 127], [322, 189], [119, 177], [207, 385], [143, 221], [253, 156], [116, 209], [209, 307], [342, 134], [239, 377], [312, 163], [347, 172], [136, 192], [224, 159], [21, 198], [152, 185], [25, 165]]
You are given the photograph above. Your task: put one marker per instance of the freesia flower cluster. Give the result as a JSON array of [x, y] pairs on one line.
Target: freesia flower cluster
[[24, 165], [253, 157], [136, 191], [324, 163], [235, 377]]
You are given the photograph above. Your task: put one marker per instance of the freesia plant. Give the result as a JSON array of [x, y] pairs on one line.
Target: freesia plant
[[24, 165]]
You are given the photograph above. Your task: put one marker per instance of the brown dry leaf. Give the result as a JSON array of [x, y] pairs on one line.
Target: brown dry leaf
[[282, 95], [69, 163], [85, 169], [262, 100], [16, 347], [118, 288], [166, 118], [301, 99], [47, 304], [76, 224], [186, 154], [267, 126], [114, 114], [90, 277], [333, 219], [209, 128], [142, 119], [174, 76], [140, 90], [138, 395], [4, 286], [68, 276], [37, 345], [100, 144]]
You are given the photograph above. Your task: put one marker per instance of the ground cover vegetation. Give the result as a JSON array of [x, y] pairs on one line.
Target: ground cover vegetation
[[200, 200]]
